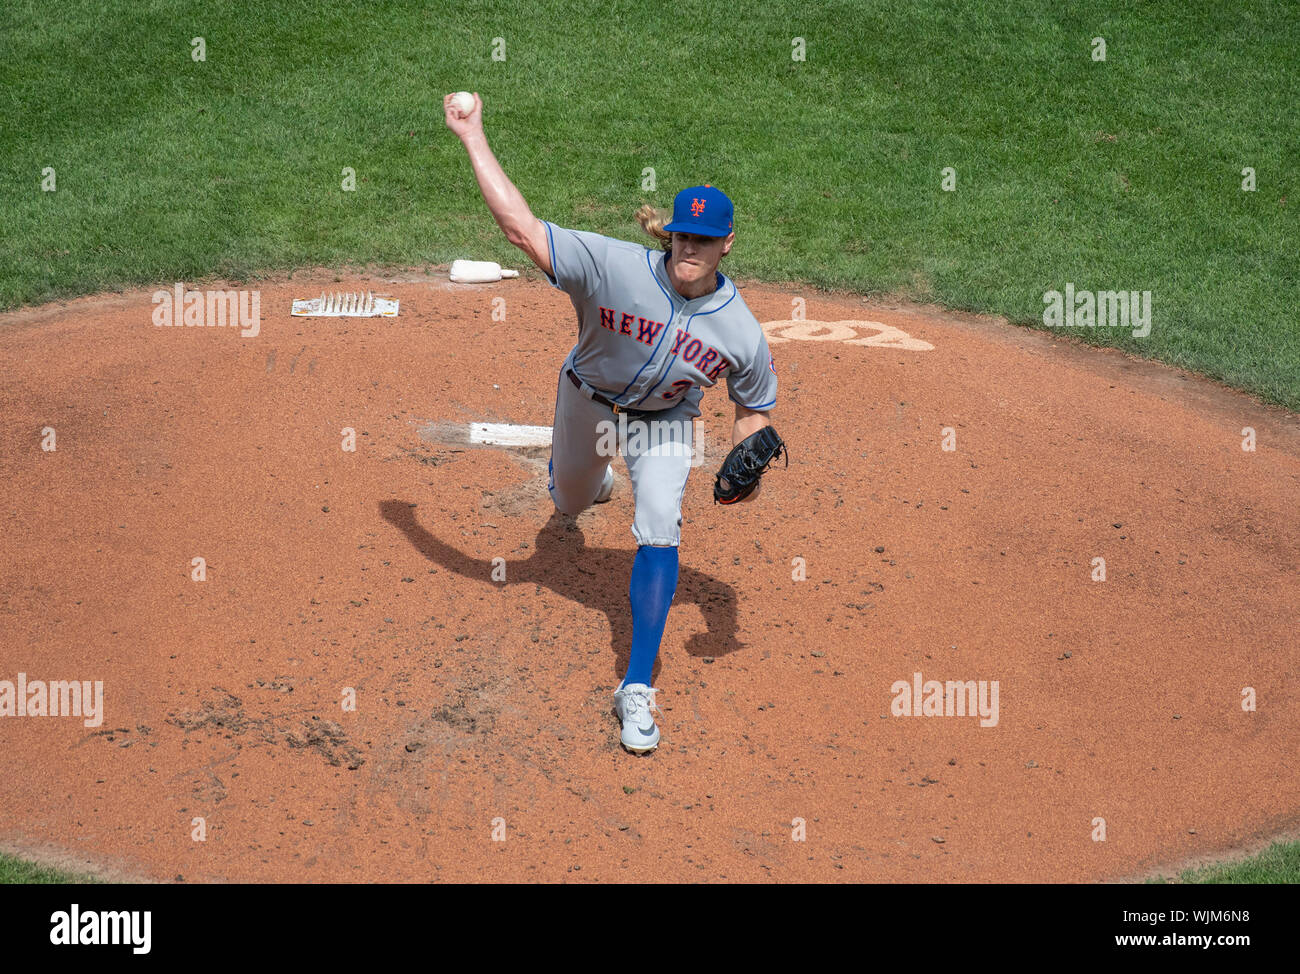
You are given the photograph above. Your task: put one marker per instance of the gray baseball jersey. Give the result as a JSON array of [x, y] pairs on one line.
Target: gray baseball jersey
[[645, 346]]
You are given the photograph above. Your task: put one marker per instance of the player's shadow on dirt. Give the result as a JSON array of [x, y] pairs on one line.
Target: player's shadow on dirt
[[595, 577]]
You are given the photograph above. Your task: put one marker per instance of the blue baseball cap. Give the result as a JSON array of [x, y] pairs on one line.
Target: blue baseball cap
[[703, 210]]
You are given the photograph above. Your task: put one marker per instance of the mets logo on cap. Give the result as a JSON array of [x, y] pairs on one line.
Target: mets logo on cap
[[703, 210]]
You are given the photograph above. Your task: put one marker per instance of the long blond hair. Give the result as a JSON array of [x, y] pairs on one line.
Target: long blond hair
[[652, 222]]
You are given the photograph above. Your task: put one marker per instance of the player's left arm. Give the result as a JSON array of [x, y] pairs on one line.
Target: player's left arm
[[749, 421], [752, 381]]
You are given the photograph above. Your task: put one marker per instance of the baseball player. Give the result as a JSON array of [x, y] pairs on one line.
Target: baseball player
[[654, 328]]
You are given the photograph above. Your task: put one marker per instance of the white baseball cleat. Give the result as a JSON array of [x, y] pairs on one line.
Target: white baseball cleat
[[606, 485], [633, 704]]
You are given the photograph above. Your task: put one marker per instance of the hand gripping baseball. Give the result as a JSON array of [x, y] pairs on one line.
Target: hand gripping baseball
[[746, 464], [460, 120]]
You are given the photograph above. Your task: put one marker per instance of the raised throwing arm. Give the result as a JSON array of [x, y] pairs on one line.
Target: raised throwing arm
[[508, 206]]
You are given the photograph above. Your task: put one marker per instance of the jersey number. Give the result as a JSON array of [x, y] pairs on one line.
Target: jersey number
[[679, 387]]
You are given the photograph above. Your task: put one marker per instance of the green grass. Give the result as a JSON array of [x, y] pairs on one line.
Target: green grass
[[19, 871], [1279, 863], [1122, 174]]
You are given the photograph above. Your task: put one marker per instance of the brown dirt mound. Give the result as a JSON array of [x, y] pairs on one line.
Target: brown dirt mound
[[485, 704]]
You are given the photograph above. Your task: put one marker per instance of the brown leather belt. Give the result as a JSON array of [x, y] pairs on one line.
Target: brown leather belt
[[609, 403]]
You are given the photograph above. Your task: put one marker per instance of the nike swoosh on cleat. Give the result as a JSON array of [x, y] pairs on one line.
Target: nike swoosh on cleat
[[647, 731]]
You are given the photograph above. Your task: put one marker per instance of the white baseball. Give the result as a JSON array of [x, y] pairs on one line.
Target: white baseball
[[463, 102]]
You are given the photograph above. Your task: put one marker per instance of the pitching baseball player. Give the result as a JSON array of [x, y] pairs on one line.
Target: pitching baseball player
[[654, 328]]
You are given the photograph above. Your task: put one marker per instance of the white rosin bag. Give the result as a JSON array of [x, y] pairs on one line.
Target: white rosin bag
[[478, 272]]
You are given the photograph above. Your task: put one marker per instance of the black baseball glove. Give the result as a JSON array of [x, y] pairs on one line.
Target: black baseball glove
[[746, 464]]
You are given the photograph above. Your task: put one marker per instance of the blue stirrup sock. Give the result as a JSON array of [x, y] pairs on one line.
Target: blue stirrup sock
[[654, 582]]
